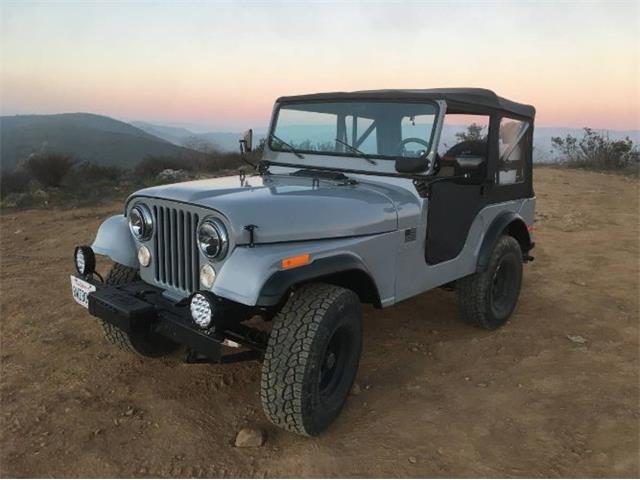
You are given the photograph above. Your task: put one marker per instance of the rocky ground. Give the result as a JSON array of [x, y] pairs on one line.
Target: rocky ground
[[553, 393]]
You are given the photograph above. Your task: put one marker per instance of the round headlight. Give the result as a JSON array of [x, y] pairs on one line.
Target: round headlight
[[201, 310], [212, 239], [141, 222]]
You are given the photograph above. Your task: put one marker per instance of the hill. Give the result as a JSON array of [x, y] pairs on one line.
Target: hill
[[175, 135], [94, 138], [222, 141]]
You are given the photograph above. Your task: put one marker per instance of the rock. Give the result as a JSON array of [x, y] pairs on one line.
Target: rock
[[40, 196], [413, 460], [169, 175], [467, 379], [356, 390], [414, 349], [577, 338], [97, 431], [250, 437], [580, 283], [483, 385], [129, 412]]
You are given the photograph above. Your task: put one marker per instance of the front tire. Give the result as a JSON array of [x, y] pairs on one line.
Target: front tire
[[487, 299], [312, 358], [145, 344]]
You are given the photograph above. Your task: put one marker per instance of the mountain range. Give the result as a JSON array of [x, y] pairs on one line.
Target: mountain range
[[222, 141], [106, 141], [88, 137]]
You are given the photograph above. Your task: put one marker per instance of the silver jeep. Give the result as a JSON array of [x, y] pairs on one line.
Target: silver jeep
[[364, 197]]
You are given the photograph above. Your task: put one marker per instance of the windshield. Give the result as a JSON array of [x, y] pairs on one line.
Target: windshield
[[367, 129]]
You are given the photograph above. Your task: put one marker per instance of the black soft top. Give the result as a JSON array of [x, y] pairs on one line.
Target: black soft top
[[459, 97]]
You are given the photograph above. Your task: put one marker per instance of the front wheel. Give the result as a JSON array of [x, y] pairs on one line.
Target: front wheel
[[487, 299], [312, 358], [145, 344]]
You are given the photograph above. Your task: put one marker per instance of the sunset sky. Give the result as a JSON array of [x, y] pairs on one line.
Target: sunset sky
[[221, 65]]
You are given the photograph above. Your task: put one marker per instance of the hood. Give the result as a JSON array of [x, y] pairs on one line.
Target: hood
[[286, 208]]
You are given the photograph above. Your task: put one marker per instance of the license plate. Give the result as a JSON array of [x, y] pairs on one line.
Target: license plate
[[81, 290]]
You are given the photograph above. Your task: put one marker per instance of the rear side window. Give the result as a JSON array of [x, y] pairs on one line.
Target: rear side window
[[462, 134], [511, 159]]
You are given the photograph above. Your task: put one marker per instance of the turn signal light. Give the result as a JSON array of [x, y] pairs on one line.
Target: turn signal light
[[297, 261]]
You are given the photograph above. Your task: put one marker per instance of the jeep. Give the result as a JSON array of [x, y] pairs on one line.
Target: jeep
[[367, 197]]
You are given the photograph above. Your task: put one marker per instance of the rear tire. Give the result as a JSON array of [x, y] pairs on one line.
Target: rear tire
[[487, 299], [147, 344], [312, 358]]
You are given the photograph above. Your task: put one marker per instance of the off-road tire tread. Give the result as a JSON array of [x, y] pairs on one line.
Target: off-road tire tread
[[472, 290], [118, 275], [288, 352]]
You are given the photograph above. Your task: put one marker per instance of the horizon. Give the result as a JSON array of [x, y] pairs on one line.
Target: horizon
[[261, 129], [220, 66]]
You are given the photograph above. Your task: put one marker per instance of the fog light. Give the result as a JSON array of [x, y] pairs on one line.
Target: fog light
[[144, 256], [85, 260], [207, 276], [201, 310]]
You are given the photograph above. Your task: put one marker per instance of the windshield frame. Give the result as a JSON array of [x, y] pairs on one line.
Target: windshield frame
[[351, 154]]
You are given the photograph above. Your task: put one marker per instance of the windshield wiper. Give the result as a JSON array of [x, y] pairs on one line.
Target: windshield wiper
[[359, 152], [289, 147]]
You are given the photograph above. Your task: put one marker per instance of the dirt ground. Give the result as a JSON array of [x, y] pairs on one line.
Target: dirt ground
[[438, 398]]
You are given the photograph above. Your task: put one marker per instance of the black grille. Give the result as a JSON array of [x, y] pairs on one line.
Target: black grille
[[176, 251]]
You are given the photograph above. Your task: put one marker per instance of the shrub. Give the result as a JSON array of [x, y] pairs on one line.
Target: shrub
[[474, 132], [221, 161], [151, 166], [597, 151], [14, 182], [200, 145], [49, 169], [90, 173]]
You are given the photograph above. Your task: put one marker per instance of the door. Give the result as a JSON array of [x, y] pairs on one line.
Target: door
[[454, 205]]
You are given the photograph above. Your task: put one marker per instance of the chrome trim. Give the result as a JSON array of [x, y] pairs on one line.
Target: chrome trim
[[220, 229], [147, 222]]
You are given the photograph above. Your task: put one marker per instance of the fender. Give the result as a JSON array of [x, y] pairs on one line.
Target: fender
[[278, 284], [115, 241], [517, 228]]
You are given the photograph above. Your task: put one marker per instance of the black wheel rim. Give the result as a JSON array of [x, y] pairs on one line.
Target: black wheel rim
[[333, 363], [504, 287]]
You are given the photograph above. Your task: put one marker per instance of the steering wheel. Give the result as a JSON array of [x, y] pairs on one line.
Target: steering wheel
[[422, 142], [436, 163]]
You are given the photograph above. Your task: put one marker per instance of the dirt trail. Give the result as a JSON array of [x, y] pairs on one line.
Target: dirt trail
[[522, 401]]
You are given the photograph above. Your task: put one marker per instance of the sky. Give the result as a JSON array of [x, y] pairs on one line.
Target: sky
[[221, 65]]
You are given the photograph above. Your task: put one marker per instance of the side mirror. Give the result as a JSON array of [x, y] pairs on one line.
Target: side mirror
[[412, 165], [475, 166], [247, 140]]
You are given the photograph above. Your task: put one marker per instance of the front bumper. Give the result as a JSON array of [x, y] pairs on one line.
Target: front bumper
[[139, 308]]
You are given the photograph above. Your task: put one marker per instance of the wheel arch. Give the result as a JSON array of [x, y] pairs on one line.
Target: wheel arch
[[509, 223], [342, 270], [116, 242]]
